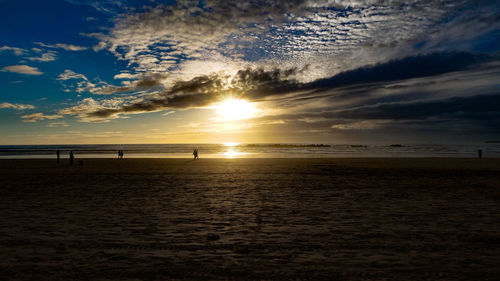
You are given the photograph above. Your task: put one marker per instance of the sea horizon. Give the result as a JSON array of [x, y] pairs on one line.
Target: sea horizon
[[251, 150]]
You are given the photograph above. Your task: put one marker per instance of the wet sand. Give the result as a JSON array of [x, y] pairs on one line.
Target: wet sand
[[250, 219]]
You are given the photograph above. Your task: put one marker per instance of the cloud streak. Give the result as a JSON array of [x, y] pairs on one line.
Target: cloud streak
[[40, 116], [16, 106], [66, 47]]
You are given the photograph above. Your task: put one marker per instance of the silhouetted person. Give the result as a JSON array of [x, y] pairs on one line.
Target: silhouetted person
[[121, 154], [71, 158], [480, 153], [58, 156], [195, 154]]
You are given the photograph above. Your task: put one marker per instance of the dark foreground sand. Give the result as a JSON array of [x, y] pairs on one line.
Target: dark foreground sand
[[250, 219]]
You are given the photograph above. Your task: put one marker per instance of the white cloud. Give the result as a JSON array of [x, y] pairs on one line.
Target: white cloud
[[22, 69], [17, 51], [40, 116], [70, 74], [17, 106], [82, 83], [46, 57], [126, 75]]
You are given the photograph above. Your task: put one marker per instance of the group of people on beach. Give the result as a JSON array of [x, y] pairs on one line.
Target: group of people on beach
[[71, 157], [120, 156]]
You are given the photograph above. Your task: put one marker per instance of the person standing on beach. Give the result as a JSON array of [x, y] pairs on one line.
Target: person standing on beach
[[58, 156], [71, 158], [195, 154]]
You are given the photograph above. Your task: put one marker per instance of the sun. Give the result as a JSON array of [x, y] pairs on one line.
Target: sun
[[235, 109]]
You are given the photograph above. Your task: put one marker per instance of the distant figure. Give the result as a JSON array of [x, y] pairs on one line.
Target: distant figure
[[480, 153], [71, 158], [195, 154], [58, 156], [121, 154]]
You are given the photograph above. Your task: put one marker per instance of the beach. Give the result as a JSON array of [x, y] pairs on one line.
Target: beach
[[250, 219]]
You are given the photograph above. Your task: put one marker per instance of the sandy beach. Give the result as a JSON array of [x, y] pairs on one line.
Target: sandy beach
[[250, 219]]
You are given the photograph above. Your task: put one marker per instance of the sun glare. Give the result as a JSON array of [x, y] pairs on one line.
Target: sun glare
[[232, 153], [234, 109]]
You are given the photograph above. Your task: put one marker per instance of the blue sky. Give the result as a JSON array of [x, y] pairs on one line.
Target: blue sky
[[338, 71]]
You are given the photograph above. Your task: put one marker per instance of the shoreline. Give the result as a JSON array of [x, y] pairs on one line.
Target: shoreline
[[247, 156], [230, 150]]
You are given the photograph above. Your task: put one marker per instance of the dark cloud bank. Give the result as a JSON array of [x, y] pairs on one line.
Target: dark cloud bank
[[255, 84]]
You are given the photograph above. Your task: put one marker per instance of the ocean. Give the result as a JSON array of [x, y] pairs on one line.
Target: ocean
[[235, 150]]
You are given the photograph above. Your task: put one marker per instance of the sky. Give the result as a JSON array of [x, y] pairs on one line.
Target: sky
[[249, 71]]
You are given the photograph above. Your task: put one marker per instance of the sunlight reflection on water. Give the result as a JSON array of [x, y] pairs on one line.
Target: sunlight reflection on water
[[232, 153]]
